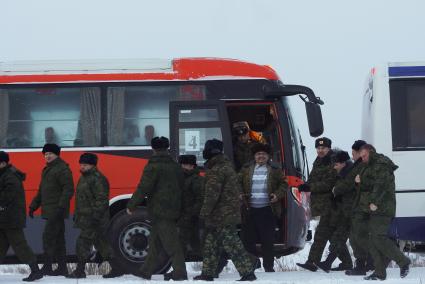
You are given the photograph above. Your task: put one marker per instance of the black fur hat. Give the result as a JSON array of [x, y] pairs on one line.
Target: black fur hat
[[52, 148], [160, 143], [323, 141], [340, 157], [260, 147], [212, 147], [88, 158], [4, 157], [187, 159], [358, 144]]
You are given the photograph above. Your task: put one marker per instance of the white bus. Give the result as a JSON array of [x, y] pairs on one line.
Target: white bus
[[393, 120]]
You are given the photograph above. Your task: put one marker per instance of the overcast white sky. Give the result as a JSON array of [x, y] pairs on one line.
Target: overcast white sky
[[328, 45]]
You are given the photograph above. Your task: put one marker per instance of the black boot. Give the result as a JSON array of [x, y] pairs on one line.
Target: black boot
[[47, 268], [35, 273], [171, 276], [309, 265], [374, 276], [62, 270], [116, 270], [342, 267], [327, 264], [222, 263], [248, 277], [78, 272], [359, 268], [404, 270], [203, 277]]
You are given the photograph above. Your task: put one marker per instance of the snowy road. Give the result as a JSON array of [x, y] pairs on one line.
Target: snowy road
[[416, 276]]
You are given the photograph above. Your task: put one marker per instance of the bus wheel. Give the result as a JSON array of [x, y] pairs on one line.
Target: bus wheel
[[129, 239]]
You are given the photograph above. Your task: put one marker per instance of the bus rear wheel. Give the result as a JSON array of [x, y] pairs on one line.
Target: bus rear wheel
[[129, 239]]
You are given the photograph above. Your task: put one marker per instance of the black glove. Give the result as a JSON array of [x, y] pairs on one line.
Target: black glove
[[31, 212], [304, 187]]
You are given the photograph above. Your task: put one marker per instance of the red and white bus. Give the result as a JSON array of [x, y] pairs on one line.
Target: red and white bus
[[113, 109]]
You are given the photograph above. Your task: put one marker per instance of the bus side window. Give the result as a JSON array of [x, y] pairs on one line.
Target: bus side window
[[33, 117]]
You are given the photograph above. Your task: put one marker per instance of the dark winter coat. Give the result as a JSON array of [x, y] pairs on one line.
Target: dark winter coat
[[344, 189], [12, 198], [357, 168], [221, 201], [162, 183], [92, 200], [193, 196], [321, 181], [276, 183], [56, 189], [378, 181]]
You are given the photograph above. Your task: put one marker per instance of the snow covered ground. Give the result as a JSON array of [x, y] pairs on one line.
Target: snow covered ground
[[287, 272], [416, 276]]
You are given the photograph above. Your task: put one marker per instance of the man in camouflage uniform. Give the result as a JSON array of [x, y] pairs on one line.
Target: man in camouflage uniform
[[263, 187], [343, 193], [377, 178], [359, 232], [245, 139], [161, 183], [221, 214], [193, 198], [12, 217], [92, 217], [54, 194], [320, 183]]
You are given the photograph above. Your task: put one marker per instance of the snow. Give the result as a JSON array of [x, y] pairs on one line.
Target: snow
[[417, 276], [287, 272]]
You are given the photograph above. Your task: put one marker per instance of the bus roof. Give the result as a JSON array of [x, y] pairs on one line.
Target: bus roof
[[406, 69], [20, 72]]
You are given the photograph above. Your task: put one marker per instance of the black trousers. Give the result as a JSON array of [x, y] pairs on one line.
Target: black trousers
[[260, 225]]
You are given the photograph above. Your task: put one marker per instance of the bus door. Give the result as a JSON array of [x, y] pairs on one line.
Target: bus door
[[265, 127], [192, 123]]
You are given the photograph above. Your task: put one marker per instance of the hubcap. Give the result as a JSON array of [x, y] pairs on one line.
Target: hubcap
[[134, 241]]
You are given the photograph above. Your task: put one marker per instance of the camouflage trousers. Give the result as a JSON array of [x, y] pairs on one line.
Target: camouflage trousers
[[225, 239], [359, 236], [163, 239], [93, 237], [382, 248], [338, 240], [15, 238], [323, 233], [54, 240]]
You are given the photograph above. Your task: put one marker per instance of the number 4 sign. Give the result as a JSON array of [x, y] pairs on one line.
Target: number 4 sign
[[192, 141]]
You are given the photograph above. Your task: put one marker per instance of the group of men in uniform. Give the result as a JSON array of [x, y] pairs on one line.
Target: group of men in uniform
[[355, 201], [54, 194]]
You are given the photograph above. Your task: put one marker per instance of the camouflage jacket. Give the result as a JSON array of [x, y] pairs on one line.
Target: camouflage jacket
[[242, 154], [12, 198], [357, 168], [56, 189], [321, 181], [162, 184], [221, 201], [344, 189], [276, 183], [193, 196], [92, 199], [378, 182]]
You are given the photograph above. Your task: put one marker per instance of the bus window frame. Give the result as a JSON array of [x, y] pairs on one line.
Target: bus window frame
[[222, 123]]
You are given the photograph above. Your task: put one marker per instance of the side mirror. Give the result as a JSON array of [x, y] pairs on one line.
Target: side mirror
[[314, 118]]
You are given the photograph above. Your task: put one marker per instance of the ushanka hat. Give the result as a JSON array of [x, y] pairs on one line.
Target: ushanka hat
[[187, 159], [4, 157], [88, 158], [340, 157], [52, 148], [323, 141], [160, 143]]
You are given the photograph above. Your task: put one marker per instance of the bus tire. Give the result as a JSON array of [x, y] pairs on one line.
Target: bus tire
[[128, 235]]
